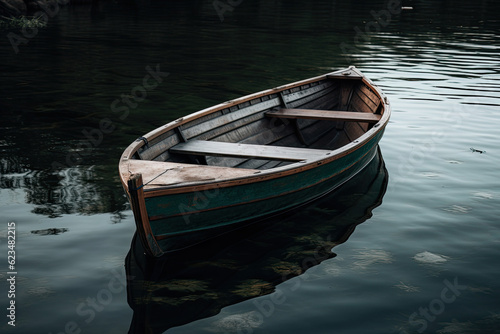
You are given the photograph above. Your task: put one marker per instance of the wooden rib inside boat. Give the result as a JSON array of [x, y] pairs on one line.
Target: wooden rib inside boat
[[244, 146]]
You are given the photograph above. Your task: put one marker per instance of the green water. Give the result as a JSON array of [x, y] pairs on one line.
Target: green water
[[77, 92]]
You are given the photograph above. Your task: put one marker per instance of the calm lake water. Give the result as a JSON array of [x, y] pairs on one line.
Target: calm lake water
[[409, 246]]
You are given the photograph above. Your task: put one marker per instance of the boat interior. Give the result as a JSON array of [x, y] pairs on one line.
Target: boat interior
[[274, 129]]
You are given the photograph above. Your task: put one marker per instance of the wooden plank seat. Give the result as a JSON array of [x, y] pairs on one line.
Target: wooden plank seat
[[332, 115], [267, 152]]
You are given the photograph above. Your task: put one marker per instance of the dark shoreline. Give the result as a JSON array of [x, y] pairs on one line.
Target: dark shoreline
[[10, 9]]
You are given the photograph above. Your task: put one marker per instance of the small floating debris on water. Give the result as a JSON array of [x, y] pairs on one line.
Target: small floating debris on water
[[457, 209], [457, 327], [430, 258], [50, 231], [407, 287], [366, 258], [245, 321], [430, 174], [483, 195], [478, 151], [40, 291]]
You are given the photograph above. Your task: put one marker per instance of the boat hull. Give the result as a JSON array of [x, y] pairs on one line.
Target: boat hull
[[183, 220]]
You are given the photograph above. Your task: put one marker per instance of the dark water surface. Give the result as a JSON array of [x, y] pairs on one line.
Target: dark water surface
[[423, 257]]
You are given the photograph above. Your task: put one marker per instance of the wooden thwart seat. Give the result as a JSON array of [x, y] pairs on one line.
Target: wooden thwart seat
[[267, 152], [332, 115]]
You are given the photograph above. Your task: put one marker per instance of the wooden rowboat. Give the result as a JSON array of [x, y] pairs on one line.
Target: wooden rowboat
[[247, 159]]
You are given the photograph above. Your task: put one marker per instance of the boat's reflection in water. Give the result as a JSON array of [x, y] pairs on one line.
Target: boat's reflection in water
[[182, 287]]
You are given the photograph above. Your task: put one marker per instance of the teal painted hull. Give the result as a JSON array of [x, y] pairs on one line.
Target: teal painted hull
[[182, 220]]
